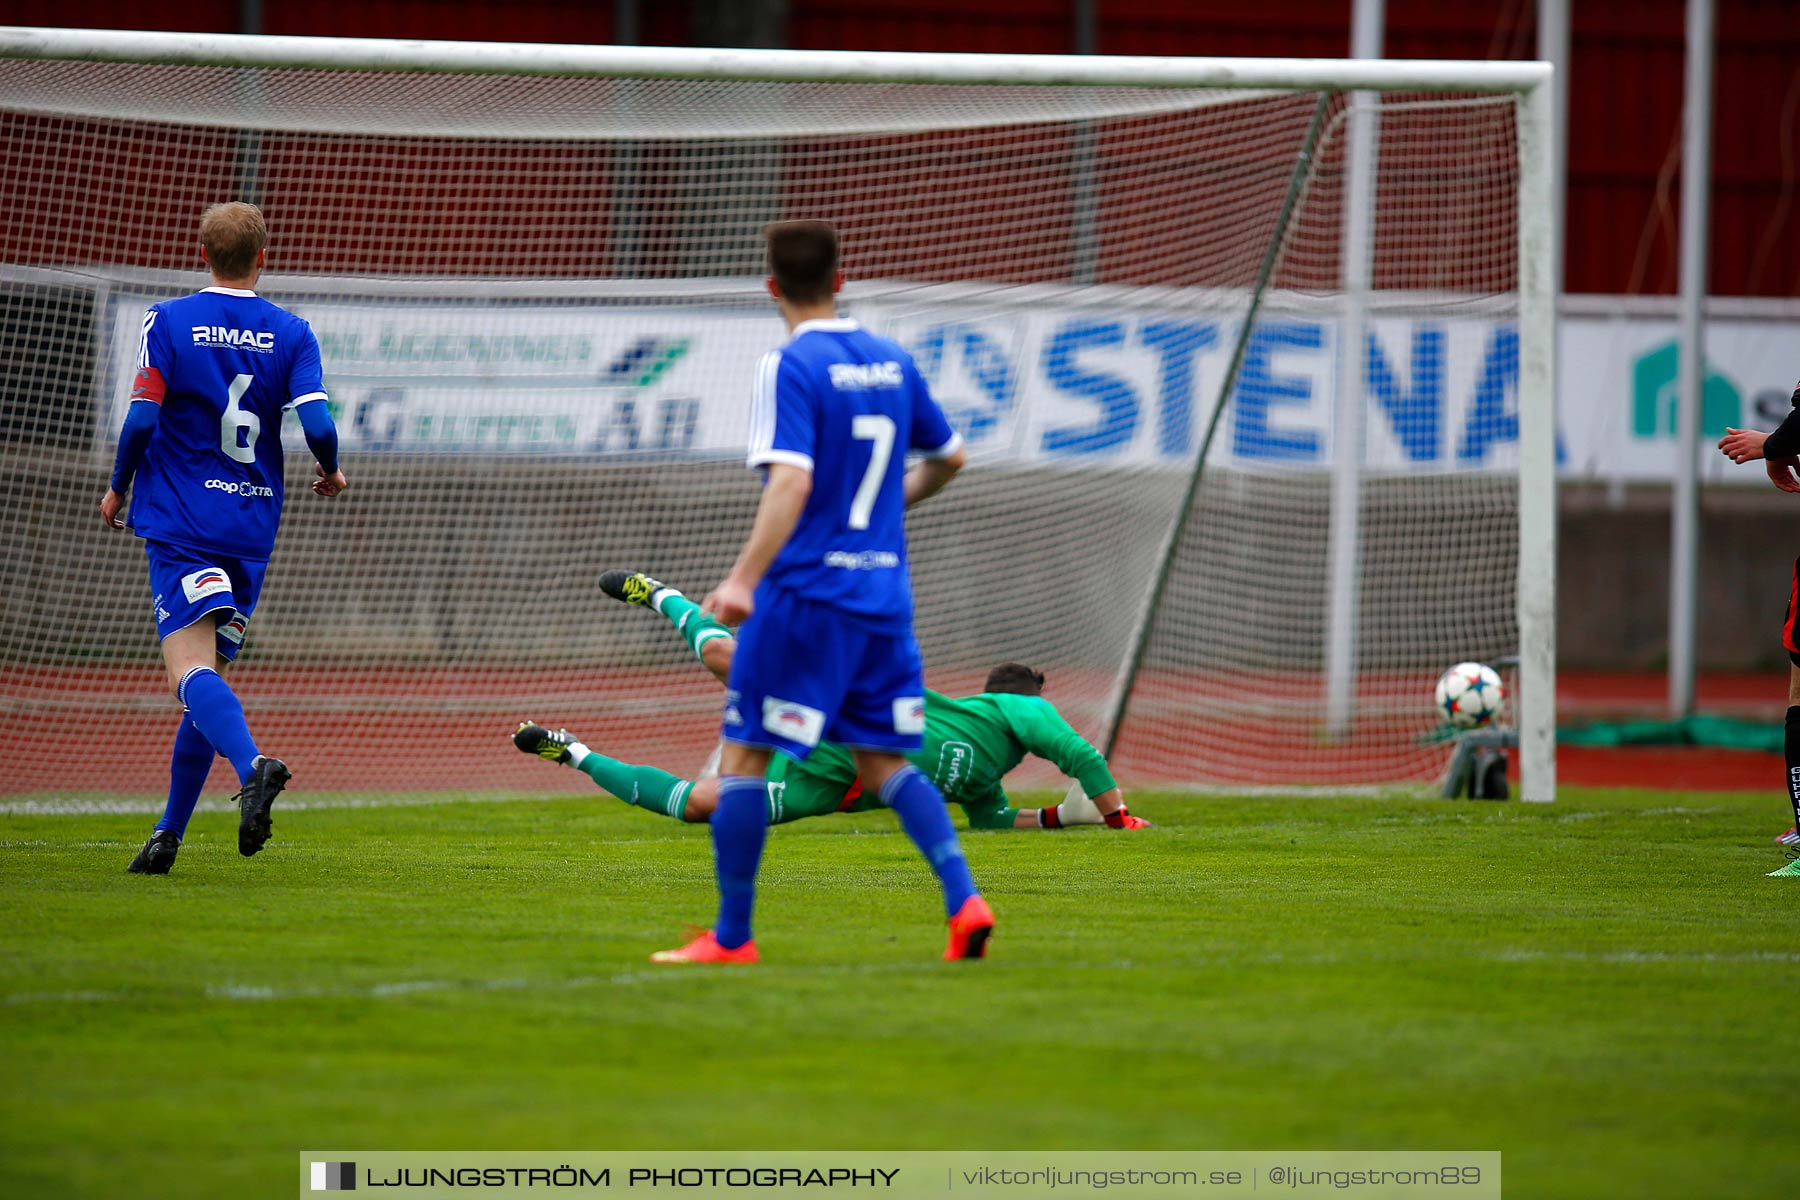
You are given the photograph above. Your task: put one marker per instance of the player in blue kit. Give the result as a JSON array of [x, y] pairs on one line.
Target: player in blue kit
[[823, 591], [202, 439]]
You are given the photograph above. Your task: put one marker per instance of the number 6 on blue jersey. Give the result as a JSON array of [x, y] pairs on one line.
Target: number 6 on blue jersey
[[239, 429]]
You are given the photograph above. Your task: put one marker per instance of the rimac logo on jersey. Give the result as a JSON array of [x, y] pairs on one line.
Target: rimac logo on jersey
[[797, 722], [220, 337], [860, 377], [209, 581]]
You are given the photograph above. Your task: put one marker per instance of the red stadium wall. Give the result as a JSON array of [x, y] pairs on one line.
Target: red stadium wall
[[1626, 86]]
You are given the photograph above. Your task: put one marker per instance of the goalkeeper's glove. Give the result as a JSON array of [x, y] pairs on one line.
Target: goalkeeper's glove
[[1083, 814]]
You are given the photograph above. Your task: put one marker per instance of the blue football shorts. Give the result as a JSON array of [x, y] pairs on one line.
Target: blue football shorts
[[804, 673], [187, 585]]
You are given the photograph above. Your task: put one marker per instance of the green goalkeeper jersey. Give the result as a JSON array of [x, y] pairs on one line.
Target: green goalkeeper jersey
[[970, 745]]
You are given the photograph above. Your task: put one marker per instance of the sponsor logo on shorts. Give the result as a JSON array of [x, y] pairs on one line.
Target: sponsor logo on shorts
[[860, 377], [233, 630], [954, 763], [862, 560], [162, 614], [795, 722], [250, 491], [209, 581], [909, 715], [220, 337], [733, 714]]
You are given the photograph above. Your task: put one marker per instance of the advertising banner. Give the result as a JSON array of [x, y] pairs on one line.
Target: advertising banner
[[1045, 384]]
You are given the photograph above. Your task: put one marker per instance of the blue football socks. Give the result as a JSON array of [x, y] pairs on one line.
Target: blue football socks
[[214, 709], [920, 806], [189, 765], [739, 826]]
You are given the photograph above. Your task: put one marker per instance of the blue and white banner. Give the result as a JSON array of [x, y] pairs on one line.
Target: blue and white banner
[[1083, 388], [1042, 384]]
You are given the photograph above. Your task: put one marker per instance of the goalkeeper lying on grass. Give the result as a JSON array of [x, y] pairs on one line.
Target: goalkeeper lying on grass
[[970, 745]]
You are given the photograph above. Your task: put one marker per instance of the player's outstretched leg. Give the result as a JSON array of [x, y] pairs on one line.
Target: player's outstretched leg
[[642, 787], [920, 807], [189, 763], [694, 626]]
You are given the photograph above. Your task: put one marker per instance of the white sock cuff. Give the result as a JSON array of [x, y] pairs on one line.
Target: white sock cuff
[[661, 594], [181, 687], [893, 783], [577, 752]]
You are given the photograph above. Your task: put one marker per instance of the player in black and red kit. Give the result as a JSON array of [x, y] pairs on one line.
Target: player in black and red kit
[[1781, 454]]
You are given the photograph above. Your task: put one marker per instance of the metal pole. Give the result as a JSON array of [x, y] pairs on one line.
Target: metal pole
[[810, 66], [1087, 26], [627, 171], [1696, 178], [1536, 704], [1084, 251], [246, 183], [1172, 543], [1553, 48], [1344, 548], [1537, 452]]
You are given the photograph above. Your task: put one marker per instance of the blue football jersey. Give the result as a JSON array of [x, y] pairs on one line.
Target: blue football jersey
[[223, 364], [847, 406]]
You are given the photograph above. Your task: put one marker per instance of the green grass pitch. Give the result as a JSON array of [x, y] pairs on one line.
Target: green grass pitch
[[1603, 989]]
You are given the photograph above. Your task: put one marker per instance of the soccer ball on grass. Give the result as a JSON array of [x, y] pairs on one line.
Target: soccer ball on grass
[[1470, 695]]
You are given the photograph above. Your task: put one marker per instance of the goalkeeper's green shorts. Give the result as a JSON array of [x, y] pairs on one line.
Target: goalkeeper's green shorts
[[826, 782]]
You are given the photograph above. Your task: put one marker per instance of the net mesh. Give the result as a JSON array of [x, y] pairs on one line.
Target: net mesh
[[538, 302]]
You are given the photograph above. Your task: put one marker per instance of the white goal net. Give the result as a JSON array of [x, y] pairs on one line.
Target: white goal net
[[537, 289]]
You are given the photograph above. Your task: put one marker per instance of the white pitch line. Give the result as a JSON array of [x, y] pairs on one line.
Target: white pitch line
[[401, 988], [1627, 957], [261, 993], [76, 807]]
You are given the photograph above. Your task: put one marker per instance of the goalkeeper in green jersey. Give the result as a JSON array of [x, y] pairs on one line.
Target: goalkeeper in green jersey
[[970, 745]]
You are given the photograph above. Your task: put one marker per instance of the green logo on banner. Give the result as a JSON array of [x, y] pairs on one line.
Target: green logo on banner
[[1653, 397]]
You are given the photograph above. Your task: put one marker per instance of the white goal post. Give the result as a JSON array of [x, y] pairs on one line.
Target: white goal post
[[534, 269]]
